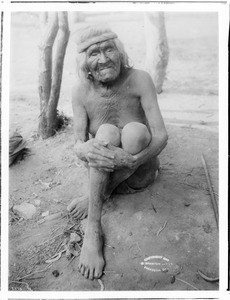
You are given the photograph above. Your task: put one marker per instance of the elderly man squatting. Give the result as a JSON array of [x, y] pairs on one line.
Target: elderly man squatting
[[118, 131]]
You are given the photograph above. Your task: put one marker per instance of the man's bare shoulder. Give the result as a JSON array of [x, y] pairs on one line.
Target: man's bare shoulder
[[141, 79], [137, 74]]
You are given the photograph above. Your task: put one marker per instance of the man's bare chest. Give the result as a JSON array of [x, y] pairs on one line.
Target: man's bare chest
[[111, 103]]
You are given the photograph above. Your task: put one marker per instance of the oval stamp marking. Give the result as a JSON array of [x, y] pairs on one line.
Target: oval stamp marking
[[157, 263]]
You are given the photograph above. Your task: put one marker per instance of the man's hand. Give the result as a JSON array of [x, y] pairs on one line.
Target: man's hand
[[104, 156], [123, 159], [96, 154]]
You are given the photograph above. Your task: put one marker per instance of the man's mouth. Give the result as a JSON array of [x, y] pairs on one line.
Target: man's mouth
[[104, 68]]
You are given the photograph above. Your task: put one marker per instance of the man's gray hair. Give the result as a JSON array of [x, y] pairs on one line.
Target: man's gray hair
[[94, 33]]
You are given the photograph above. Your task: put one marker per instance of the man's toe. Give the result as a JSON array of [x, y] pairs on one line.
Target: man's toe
[[72, 205], [91, 274], [82, 270], [79, 267], [69, 208], [84, 215], [97, 274], [77, 215], [86, 274], [75, 211]]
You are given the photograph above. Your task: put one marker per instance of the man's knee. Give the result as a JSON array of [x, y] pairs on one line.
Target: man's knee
[[135, 137], [109, 133]]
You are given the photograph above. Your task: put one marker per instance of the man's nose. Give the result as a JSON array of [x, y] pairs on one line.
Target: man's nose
[[103, 58]]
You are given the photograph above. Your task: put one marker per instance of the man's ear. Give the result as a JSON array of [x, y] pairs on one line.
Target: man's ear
[[90, 76]]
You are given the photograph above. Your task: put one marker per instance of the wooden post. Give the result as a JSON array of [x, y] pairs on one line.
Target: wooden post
[[62, 41], [54, 26], [157, 50]]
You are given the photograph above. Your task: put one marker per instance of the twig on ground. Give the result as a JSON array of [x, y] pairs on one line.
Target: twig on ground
[[213, 199], [109, 246], [71, 260], [28, 236], [56, 229], [58, 201], [101, 284], [53, 238], [55, 257], [138, 247], [162, 228], [60, 245], [187, 283], [36, 272], [153, 207], [34, 278], [193, 186], [22, 282], [106, 272], [207, 278]]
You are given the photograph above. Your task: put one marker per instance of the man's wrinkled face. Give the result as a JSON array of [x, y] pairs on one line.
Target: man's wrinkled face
[[103, 61]]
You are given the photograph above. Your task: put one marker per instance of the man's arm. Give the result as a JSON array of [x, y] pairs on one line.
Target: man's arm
[[152, 112], [80, 120], [92, 151]]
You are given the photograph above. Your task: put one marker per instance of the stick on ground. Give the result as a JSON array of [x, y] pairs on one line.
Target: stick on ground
[[162, 228], [187, 283], [36, 272], [213, 199]]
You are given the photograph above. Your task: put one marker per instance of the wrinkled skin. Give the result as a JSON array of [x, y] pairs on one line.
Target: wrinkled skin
[[120, 111], [103, 61]]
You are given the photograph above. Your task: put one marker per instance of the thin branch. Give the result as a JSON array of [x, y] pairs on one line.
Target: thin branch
[[162, 228], [187, 283], [21, 282], [36, 272], [213, 199]]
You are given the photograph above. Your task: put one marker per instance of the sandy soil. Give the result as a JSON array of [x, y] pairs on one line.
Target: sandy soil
[[131, 224]]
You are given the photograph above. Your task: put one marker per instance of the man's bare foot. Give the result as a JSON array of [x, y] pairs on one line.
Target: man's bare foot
[[91, 262], [78, 208]]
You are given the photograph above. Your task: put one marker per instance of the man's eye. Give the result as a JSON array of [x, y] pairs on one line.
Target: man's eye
[[109, 50], [94, 54]]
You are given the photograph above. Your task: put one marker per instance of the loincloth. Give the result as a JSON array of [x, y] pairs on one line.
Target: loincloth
[[125, 188]]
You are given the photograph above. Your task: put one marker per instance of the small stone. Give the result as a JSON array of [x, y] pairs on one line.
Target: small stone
[[39, 222], [46, 213], [55, 273], [207, 228], [164, 270], [25, 210], [172, 279], [74, 237], [187, 204], [203, 123], [37, 202], [53, 217], [138, 215]]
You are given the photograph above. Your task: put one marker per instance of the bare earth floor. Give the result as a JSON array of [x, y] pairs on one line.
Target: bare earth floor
[[178, 201], [130, 222]]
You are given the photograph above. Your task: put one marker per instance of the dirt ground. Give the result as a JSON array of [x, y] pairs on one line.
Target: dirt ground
[[179, 198]]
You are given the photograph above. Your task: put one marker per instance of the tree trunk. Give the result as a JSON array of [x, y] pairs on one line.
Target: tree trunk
[[157, 53], [50, 77]]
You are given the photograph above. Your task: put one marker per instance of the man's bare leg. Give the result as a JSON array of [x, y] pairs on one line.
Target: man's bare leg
[[91, 262], [78, 208], [134, 138]]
